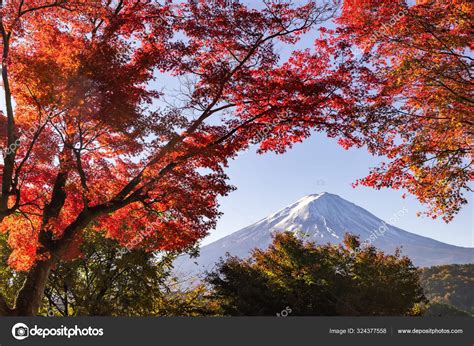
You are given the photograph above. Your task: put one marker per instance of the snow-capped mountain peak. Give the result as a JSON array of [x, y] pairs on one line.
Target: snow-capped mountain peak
[[323, 218]]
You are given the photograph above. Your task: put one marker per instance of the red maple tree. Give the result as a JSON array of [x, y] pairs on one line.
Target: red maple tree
[[419, 95], [87, 146]]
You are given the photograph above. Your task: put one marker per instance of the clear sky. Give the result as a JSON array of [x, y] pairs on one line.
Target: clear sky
[[269, 182]]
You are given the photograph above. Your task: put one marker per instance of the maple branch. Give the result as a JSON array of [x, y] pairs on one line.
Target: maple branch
[[10, 153], [51, 301], [58, 246], [82, 176], [57, 201], [36, 135], [462, 97], [193, 153], [89, 214], [428, 27], [449, 51], [179, 138], [57, 3], [467, 122]]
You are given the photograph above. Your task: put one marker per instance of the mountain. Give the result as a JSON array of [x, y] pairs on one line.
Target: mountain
[[326, 218]]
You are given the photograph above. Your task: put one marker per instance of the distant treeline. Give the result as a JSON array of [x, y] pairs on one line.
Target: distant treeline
[[448, 287]]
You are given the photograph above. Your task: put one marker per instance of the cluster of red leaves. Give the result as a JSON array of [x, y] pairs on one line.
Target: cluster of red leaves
[[95, 151], [419, 98]]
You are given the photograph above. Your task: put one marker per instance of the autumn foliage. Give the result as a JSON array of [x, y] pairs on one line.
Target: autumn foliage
[[88, 141], [420, 107], [307, 279]]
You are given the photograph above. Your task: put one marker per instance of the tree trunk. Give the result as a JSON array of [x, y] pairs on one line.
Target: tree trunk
[[30, 295], [4, 308]]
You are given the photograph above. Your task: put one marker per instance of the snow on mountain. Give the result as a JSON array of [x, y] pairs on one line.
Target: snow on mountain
[[326, 218]]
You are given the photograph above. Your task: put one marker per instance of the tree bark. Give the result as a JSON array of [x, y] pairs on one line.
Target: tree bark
[[4, 308], [10, 152], [30, 295]]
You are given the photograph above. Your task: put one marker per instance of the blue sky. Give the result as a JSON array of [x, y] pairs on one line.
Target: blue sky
[[269, 182]]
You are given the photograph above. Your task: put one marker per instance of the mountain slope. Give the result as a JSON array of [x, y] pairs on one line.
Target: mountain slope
[[450, 284], [326, 218]]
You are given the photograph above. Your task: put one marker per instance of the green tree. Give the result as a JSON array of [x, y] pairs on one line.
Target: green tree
[[449, 285], [195, 300], [438, 309], [10, 280], [109, 280], [310, 279]]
